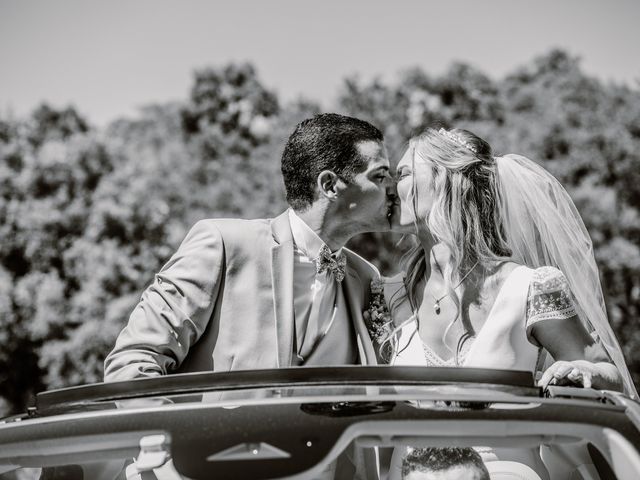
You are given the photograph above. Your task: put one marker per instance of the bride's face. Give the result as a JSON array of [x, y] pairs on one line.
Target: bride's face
[[415, 193]]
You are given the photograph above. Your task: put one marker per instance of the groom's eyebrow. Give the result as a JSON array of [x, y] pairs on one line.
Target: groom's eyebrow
[[381, 167]]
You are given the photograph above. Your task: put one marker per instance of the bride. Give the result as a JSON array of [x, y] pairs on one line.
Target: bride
[[502, 276], [503, 272]]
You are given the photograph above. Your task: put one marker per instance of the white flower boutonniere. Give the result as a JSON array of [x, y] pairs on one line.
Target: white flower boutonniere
[[377, 317]]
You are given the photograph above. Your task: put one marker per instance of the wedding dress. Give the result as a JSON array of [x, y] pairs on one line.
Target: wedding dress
[[526, 297]]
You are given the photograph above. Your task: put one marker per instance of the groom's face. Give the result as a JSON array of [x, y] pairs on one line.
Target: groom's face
[[367, 198]]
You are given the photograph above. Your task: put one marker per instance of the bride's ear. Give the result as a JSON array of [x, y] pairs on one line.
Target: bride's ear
[[327, 184]]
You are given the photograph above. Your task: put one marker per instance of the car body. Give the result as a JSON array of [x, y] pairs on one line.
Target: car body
[[296, 423]]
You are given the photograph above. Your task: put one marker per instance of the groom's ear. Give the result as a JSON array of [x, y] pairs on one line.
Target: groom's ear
[[327, 183]]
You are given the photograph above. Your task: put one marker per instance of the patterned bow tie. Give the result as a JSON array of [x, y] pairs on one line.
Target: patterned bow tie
[[334, 264]]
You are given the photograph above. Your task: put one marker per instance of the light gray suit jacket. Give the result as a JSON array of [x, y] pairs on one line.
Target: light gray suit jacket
[[224, 301]]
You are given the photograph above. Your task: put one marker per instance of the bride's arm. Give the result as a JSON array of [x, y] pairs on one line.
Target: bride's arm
[[553, 323], [578, 358]]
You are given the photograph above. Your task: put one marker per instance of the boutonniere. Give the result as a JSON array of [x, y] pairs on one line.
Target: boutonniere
[[377, 317]]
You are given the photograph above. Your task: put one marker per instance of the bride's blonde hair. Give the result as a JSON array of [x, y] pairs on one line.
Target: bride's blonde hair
[[465, 214]]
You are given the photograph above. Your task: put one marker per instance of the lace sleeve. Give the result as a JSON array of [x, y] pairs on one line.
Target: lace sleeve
[[549, 298]]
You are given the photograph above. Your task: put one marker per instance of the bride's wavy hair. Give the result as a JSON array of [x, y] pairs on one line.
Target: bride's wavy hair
[[465, 214]]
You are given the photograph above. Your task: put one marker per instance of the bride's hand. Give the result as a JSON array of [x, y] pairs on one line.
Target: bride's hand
[[576, 373]]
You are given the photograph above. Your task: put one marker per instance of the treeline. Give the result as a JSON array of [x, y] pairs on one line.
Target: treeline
[[87, 215]]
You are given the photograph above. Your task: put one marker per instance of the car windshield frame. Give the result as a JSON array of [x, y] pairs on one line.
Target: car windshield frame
[[511, 382]]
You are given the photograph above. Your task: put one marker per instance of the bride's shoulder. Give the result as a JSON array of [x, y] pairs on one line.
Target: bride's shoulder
[[543, 277], [391, 291], [542, 280], [547, 279], [390, 287], [397, 279], [381, 281]]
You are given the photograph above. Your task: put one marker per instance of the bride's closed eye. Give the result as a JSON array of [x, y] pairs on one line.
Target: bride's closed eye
[[403, 173]]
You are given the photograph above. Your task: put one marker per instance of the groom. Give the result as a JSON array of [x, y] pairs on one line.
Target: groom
[[251, 294]]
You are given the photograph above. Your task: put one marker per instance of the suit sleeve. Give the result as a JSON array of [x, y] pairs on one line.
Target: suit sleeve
[[174, 311]]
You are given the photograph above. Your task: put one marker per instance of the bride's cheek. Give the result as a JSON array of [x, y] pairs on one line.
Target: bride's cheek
[[407, 215]]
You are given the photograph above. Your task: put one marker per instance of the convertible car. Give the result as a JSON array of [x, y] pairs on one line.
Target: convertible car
[[316, 423]]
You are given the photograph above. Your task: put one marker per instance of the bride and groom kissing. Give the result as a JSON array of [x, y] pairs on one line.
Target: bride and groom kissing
[[502, 273]]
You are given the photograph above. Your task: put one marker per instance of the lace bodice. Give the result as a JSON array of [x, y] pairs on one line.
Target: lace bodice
[[434, 360]]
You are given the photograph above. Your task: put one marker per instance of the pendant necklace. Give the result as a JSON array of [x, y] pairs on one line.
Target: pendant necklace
[[436, 306]]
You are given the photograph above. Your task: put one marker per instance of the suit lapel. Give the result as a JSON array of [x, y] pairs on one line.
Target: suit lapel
[[353, 289], [282, 281]]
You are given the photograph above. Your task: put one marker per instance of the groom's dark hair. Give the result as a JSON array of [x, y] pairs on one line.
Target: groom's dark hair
[[325, 142]]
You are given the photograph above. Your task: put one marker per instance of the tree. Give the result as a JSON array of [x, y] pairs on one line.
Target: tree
[[586, 133], [49, 167], [88, 216]]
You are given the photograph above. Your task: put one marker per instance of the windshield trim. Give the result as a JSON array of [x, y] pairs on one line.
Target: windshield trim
[[520, 382]]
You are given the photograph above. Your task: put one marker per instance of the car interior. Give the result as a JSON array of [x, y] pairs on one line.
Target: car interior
[[320, 425], [568, 451]]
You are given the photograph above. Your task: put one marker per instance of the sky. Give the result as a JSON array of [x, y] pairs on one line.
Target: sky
[[109, 58]]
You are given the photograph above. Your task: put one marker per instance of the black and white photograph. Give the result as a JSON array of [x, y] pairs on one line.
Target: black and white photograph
[[338, 240]]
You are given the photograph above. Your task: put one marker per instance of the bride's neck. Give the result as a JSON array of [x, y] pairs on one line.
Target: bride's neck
[[436, 255]]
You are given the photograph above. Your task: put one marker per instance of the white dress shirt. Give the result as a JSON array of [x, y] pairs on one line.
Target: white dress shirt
[[314, 294]]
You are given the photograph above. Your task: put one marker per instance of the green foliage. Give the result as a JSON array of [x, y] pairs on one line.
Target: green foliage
[[87, 217]]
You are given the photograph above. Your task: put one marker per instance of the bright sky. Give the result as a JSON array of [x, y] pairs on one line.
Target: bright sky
[[108, 58]]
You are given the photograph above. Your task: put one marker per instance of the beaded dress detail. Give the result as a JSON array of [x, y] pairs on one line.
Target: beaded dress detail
[[434, 360], [549, 297]]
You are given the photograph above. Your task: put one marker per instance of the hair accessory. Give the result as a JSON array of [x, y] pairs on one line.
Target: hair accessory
[[457, 139]]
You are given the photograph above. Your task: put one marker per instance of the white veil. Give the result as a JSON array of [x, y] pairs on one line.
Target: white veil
[[543, 227]]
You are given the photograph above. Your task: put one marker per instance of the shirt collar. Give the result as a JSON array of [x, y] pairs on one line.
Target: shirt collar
[[307, 241]]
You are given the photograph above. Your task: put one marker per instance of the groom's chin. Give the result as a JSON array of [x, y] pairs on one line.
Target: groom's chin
[[393, 219], [388, 223]]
